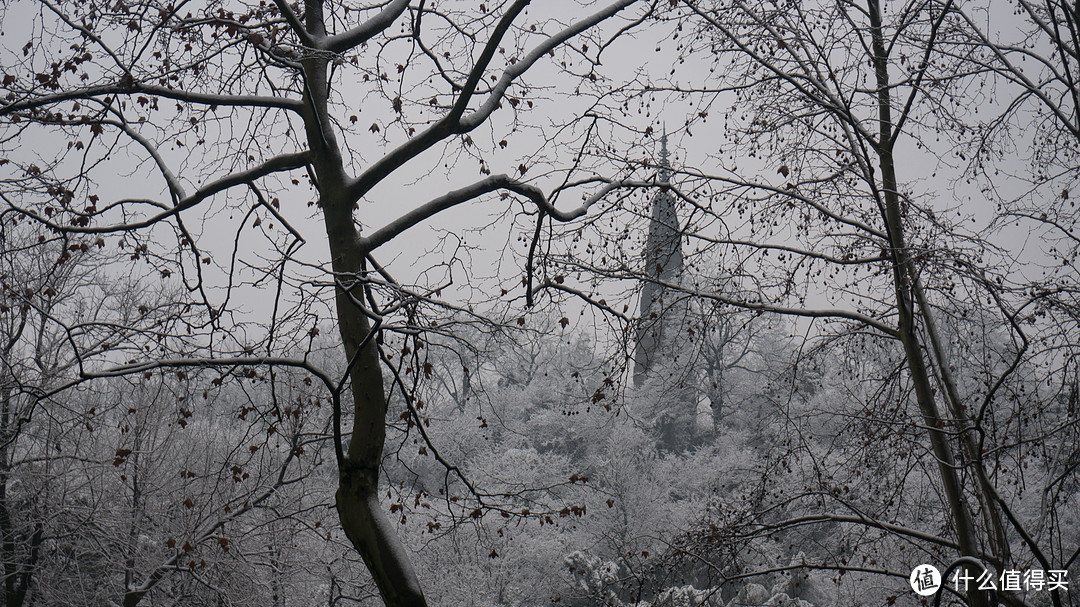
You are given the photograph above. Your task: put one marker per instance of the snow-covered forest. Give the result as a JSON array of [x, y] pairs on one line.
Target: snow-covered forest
[[628, 303]]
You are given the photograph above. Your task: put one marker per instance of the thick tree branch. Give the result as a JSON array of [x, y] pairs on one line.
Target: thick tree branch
[[284, 162], [515, 70], [294, 23], [455, 122], [360, 34], [103, 90], [474, 191]]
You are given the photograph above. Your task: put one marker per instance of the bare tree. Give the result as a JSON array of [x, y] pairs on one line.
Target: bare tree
[[822, 203], [217, 116], [45, 278]]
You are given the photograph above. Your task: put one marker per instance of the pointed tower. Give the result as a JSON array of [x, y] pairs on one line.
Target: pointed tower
[[663, 265]]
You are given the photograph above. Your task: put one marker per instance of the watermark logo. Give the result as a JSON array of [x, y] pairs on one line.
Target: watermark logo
[[925, 580]]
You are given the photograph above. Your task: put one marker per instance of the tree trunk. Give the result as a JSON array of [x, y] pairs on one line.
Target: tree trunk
[[16, 577], [902, 284], [362, 518]]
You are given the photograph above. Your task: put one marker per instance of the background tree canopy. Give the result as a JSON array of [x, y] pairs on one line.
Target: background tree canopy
[[681, 302]]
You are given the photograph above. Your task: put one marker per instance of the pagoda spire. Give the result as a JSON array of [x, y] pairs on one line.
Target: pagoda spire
[[665, 164], [663, 150]]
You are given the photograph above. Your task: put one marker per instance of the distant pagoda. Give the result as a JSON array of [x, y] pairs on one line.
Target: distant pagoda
[[664, 365], [660, 322]]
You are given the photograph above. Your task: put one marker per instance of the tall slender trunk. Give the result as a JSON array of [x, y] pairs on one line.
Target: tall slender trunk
[[984, 491], [903, 274]]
